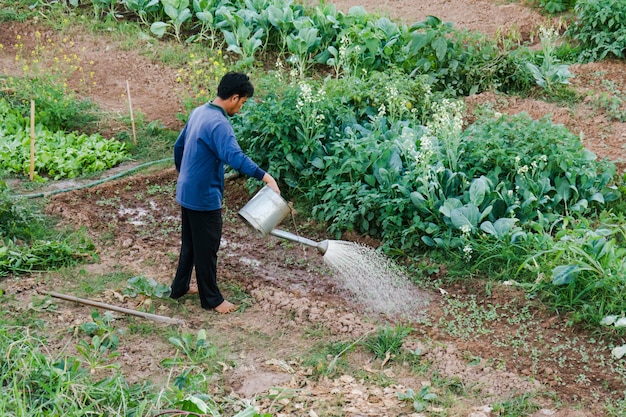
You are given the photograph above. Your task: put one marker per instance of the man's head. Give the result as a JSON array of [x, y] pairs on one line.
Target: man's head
[[233, 91]]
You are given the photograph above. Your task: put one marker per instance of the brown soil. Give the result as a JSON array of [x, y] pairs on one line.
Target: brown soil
[[485, 342]]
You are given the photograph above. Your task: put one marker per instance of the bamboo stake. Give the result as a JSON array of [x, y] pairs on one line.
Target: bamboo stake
[[154, 317], [32, 140], [132, 117]]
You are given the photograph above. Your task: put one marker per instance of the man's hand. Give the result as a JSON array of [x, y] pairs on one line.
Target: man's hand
[[271, 182]]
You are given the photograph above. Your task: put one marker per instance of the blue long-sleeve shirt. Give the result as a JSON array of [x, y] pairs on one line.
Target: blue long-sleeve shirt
[[204, 145]]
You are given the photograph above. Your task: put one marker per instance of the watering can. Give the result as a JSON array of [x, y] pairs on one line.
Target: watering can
[[264, 212]]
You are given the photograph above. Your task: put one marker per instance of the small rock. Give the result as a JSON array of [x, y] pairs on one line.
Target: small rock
[[346, 379]]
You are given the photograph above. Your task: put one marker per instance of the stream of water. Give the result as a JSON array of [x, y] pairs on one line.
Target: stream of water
[[375, 280]]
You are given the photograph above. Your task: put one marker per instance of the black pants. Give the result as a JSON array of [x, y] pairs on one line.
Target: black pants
[[201, 234]]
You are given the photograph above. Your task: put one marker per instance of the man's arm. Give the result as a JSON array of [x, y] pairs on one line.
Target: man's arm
[[179, 147]]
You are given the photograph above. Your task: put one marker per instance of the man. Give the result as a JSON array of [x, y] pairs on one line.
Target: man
[[205, 144]]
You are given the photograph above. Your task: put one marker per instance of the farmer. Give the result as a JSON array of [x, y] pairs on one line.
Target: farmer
[[205, 144]]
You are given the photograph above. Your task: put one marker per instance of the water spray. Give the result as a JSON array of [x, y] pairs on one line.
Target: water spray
[[373, 279]]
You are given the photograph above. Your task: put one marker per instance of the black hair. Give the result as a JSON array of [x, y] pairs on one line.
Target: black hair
[[235, 83]]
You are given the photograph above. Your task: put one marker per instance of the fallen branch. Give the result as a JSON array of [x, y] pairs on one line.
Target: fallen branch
[[154, 317]]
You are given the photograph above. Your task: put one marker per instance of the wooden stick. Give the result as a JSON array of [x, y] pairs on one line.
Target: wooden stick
[[155, 317], [132, 117], [32, 140]]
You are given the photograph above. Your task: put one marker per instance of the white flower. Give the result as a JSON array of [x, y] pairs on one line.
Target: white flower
[[382, 110], [466, 229], [427, 144], [467, 252]]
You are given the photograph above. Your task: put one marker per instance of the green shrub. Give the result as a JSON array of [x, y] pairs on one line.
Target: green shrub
[[28, 241], [582, 271], [458, 62], [556, 6], [297, 125], [600, 27]]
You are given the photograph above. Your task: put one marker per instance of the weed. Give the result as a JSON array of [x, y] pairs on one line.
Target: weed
[[146, 286], [329, 358], [387, 343], [420, 399], [238, 295], [99, 352], [516, 406], [197, 350], [612, 102]]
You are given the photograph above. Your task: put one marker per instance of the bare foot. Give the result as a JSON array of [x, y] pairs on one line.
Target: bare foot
[[193, 289], [226, 307]]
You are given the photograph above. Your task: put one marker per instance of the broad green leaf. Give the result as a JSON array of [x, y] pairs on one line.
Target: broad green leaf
[[501, 228], [318, 163], [417, 199], [564, 274], [418, 41], [563, 188], [467, 215], [176, 342], [201, 335], [159, 28], [580, 206], [183, 16], [419, 406], [205, 17], [195, 405], [440, 45], [485, 213], [230, 38], [597, 197], [449, 205], [478, 189]]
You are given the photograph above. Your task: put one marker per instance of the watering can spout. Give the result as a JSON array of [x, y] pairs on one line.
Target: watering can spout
[[322, 247]]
